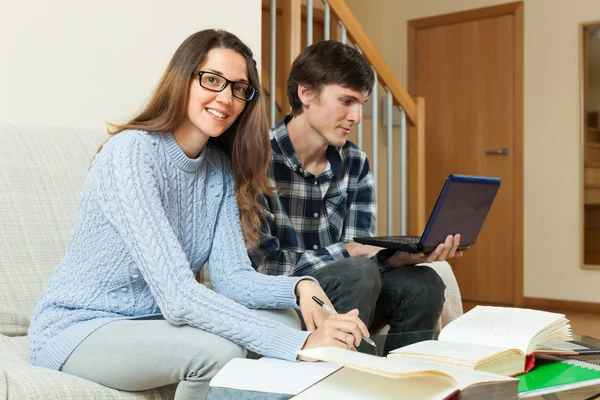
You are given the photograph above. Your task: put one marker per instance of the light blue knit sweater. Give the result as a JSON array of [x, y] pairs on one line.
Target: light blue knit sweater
[[149, 219]]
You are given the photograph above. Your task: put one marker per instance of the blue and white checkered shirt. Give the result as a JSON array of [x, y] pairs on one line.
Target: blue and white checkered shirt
[[311, 217]]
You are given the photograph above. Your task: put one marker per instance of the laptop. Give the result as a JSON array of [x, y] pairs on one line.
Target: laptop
[[461, 207]]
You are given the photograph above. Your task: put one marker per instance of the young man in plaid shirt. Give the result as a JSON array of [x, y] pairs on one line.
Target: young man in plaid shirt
[[326, 197]]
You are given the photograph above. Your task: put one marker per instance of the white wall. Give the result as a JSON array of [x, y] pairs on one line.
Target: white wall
[[84, 63], [553, 116]]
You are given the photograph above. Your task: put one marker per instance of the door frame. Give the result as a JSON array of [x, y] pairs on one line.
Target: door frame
[[515, 9]]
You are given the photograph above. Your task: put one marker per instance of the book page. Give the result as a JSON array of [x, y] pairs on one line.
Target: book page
[[465, 377], [371, 364], [271, 375], [403, 368], [451, 352], [499, 326], [350, 384]]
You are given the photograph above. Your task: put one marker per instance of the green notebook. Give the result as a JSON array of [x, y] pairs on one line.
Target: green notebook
[[557, 376]]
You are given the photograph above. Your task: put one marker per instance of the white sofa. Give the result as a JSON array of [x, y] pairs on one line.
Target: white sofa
[[42, 170]]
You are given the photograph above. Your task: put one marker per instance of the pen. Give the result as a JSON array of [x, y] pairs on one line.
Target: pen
[[332, 311]]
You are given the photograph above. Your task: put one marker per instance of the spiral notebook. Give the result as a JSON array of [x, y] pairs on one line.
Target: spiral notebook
[[558, 376]]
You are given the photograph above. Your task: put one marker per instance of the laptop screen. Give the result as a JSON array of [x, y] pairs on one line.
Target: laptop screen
[[461, 208]]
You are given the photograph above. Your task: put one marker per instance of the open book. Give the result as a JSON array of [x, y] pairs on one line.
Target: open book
[[501, 340], [376, 378]]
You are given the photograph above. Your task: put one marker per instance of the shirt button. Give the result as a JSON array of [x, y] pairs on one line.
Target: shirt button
[[301, 170], [211, 185], [316, 247], [113, 294], [316, 182], [217, 194], [316, 215], [135, 276]]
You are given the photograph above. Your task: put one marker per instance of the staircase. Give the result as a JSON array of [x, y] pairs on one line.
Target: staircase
[[392, 131]]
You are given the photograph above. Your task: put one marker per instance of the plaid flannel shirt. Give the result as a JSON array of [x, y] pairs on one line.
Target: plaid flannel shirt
[[310, 218]]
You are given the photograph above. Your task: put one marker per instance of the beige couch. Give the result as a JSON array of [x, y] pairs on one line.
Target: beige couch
[[42, 170]]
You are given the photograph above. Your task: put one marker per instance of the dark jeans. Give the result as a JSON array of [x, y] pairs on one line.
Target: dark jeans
[[408, 298]]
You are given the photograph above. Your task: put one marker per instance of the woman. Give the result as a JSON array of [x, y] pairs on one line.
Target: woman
[[123, 308]]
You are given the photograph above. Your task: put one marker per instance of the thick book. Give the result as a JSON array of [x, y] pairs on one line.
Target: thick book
[[552, 377], [365, 376], [501, 340]]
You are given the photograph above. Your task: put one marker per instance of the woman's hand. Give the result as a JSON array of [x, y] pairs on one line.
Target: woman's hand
[[312, 313], [339, 330]]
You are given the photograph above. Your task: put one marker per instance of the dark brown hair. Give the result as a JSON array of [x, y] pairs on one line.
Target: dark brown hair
[[246, 142], [328, 62]]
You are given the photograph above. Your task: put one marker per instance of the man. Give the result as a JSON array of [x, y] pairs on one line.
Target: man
[[326, 197]]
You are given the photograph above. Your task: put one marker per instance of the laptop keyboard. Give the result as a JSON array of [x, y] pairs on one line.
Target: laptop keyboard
[[400, 239]]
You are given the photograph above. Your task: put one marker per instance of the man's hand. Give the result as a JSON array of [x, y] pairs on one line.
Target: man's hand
[[312, 313], [445, 250], [361, 250]]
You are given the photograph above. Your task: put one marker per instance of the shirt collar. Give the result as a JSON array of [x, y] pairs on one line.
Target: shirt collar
[[281, 136]]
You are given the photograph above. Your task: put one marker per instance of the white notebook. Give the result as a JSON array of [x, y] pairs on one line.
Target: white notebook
[[271, 375]]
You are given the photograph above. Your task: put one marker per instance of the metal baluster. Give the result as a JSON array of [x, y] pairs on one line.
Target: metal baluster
[[344, 35], [359, 127], [273, 87], [403, 173], [326, 22], [390, 154], [309, 22], [375, 97]]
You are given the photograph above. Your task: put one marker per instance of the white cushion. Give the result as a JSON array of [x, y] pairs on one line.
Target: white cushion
[[43, 170], [24, 381]]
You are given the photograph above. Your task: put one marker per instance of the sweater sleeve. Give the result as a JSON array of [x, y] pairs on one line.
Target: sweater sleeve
[[130, 198], [231, 271]]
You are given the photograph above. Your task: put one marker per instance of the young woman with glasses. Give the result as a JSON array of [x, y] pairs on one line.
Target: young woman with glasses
[[172, 189]]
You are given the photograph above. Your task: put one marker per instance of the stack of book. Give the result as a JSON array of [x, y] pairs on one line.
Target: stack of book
[[476, 357]]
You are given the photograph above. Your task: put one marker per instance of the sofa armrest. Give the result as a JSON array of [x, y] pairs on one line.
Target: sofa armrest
[[453, 304]]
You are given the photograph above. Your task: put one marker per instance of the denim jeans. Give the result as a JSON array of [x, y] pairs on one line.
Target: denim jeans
[[407, 298]]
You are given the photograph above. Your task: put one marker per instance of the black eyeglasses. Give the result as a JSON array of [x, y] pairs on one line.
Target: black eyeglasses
[[217, 83]]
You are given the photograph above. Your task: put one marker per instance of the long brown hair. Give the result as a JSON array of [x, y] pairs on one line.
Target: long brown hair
[[246, 142]]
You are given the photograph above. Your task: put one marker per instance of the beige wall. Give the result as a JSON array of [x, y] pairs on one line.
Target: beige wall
[[552, 129], [82, 63]]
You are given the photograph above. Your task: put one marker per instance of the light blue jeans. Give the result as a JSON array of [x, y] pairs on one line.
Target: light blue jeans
[[138, 355]]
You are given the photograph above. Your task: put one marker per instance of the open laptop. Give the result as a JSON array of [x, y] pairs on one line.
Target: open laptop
[[461, 207]]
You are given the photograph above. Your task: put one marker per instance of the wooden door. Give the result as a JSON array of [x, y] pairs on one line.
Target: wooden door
[[466, 72]]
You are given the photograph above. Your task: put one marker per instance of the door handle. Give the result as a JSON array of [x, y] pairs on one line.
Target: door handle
[[497, 152]]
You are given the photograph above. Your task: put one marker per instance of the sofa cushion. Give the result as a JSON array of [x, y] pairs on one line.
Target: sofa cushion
[[24, 381], [3, 394], [453, 303], [43, 170]]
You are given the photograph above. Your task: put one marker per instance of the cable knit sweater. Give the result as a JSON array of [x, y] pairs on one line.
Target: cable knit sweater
[[151, 217]]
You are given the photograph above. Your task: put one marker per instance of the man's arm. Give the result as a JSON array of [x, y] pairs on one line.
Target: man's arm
[[269, 258]]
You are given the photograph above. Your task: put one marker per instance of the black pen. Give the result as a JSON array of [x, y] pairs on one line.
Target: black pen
[[332, 311]]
